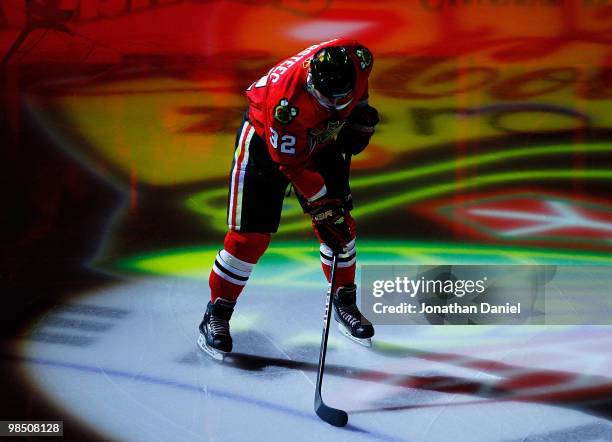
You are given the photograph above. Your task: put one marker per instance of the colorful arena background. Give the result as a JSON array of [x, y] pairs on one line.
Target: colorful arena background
[[494, 143], [117, 128]]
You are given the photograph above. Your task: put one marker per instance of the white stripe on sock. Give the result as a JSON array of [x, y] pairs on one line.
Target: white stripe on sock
[[326, 250], [227, 277], [234, 264]]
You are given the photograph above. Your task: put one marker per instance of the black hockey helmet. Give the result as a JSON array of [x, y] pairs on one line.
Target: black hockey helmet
[[332, 72]]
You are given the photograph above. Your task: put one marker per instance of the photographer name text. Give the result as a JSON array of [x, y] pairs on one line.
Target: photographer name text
[[482, 308]]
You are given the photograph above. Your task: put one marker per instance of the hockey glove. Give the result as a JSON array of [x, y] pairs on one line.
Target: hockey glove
[[358, 130], [331, 223]]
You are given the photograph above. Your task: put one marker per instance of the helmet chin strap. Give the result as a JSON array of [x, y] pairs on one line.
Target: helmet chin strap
[[324, 101]]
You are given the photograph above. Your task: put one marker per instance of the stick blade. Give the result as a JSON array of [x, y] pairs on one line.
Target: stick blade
[[333, 416]]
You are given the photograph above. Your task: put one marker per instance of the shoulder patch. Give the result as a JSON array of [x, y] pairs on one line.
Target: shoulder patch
[[364, 56], [284, 113], [326, 133]]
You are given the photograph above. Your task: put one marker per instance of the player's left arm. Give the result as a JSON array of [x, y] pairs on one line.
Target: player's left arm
[[358, 130], [360, 125]]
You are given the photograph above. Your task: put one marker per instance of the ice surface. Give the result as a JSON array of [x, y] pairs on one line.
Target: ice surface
[[123, 359]]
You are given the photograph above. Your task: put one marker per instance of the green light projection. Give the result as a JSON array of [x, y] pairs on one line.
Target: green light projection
[[211, 203], [279, 262]]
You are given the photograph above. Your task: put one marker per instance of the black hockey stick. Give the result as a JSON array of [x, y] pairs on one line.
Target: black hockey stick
[[331, 415]]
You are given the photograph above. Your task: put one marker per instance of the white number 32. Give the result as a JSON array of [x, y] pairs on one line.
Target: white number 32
[[287, 144]]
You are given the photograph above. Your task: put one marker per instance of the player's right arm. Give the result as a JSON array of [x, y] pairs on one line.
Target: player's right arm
[[288, 144]]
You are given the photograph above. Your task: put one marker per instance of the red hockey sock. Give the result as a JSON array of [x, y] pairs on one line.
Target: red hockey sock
[[234, 264], [345, 272]]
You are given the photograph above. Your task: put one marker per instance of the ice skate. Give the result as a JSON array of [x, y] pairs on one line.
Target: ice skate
[[215, 338], [348, 316]]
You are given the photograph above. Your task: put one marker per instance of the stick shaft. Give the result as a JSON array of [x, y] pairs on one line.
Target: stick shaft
[[326, 321], [328, 309]]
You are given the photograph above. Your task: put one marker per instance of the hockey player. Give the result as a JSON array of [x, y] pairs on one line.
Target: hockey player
[[302, 116]]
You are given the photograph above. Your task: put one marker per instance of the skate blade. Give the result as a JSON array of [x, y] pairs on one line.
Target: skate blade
[[366, 342], [212, 352]]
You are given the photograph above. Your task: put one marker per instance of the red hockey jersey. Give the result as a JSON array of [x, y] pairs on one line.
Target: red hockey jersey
[[291, 119]]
